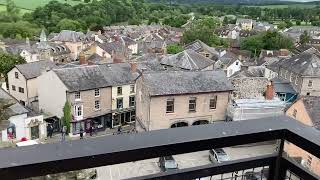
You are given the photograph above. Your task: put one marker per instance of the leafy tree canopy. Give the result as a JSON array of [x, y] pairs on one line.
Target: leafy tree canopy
[[270, 40], [174, 49]]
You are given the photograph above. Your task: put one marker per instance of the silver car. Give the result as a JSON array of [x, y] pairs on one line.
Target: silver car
[[218, 155]]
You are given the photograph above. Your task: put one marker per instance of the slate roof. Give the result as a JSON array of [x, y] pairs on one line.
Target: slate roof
[[306, 63], [283, 86], [228, 58], [312, 106], [187, 59], [95, 76], [200, 46], [109, 47], [33, 69], [69, 36], [186, 82], [12, 106], [252, 71]]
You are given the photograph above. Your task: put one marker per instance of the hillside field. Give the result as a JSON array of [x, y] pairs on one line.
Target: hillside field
[[33, 4], [286, 6]]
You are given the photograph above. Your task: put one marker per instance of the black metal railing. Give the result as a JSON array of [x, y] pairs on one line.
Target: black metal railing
[[39, 160]]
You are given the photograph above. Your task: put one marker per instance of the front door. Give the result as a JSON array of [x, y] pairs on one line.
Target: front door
[[34, 132]]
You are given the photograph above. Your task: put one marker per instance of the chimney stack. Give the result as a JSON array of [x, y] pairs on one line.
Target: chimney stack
[[133, 67], [82, 59], [270, 91]]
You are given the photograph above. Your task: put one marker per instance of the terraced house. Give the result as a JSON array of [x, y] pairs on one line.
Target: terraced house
[[302, 71], [23, 83], [101, 96], [181, 98]]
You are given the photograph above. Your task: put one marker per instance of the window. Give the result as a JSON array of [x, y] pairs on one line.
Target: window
[[285, 74], [96, 92], [237, 63], [78, 111], [308, 93], [296, 81], [282, 96], [132, 88], [119, 90], [76, 126], [291, 77], [310, 83], [131, 101], [294, 113], [13, 87], [21, 90], [213, 103], [16, 74], [192, 104], [119, 103], [170, 106], [77, 95], [207, 55], [97, 105]]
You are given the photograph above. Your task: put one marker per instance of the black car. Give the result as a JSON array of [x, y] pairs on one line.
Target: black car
[[167, 163]]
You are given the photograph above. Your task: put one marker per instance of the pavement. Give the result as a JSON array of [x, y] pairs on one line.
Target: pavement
[[57, 137], [150, 166]]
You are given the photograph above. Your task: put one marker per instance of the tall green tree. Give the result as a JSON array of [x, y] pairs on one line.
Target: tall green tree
[[304, 37], [67, 116]]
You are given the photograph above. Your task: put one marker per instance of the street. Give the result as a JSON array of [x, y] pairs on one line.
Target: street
[[150, 166]]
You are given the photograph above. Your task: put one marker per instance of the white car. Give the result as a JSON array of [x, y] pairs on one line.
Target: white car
[[218, 155]]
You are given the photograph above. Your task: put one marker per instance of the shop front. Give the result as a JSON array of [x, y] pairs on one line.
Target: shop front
[[99, 123], [123, 118]]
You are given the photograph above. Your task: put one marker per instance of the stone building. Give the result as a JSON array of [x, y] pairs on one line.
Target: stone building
[[181, 98]]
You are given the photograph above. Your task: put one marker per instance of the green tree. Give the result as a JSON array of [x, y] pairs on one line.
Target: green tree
[[304, 37], [12, 8], [298, 22], [67, 116], [68, 24], [7, 62], [270, 40], [174, 48]]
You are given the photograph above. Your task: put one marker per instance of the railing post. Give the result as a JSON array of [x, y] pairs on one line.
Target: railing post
[[278, 169]]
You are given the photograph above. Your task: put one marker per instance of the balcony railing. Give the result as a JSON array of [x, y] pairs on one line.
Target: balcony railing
[[39, 160]]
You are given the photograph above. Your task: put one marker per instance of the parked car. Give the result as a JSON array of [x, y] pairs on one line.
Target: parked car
[[254, 176], [167, 163], [218, 155]]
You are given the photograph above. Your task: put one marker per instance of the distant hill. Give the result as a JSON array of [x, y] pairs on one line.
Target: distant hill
[[233, 2]]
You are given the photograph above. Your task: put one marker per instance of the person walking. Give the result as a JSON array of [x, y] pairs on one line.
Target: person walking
[[64, 131], [119, 130], [50, 130], [90, 130], [81, 133]]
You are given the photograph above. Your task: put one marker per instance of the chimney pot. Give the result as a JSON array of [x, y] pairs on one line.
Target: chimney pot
[[82, 59], [270, 91]]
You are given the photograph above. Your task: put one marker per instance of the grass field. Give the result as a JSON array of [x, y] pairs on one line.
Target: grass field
[[22, 11], [33, 4], [286, 6]]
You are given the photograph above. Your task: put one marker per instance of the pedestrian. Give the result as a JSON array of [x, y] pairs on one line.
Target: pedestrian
[[119, 130], [64, 131], [50, 130], [81, 133], [90, 130]]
